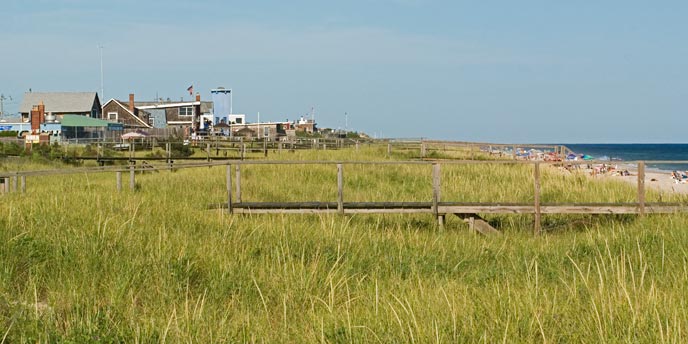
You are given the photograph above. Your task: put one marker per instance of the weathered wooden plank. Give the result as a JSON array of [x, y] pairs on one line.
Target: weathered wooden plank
[[283, 211], [641, 188], [484, 209], [536, 181], [229, 188], [435, 187], [340, 188], [118, 177], [478, 224], [238, 183], [132, 178]]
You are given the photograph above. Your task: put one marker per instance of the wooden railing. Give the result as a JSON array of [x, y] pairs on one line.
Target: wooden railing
[[438, 207]]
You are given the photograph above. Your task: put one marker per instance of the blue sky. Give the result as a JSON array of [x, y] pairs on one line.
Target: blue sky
[[499, 71]]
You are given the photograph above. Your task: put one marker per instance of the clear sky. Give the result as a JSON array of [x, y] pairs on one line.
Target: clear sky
[[500, 71]]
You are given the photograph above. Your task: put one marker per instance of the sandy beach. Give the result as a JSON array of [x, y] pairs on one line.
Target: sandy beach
[[658, 180]]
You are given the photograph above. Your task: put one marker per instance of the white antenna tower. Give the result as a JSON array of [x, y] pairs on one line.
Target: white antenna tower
[[313, 113]]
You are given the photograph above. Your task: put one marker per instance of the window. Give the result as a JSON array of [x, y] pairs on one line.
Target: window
[[112, 116], [151, 121], [238, 120], [186, 111]]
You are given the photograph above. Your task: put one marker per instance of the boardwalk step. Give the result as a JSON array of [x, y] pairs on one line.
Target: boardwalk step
[[478, 224]]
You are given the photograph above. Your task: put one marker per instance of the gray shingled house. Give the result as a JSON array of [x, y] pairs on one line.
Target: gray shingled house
[[62, 103]]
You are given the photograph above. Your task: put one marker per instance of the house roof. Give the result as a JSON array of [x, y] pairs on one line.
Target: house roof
[[206, 106], [60, 102], [126, 108], [83, 121]]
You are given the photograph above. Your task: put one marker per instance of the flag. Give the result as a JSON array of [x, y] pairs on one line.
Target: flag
[[190, 89]]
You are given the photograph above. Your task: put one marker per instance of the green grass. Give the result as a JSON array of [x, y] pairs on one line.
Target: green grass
[[81, 262]]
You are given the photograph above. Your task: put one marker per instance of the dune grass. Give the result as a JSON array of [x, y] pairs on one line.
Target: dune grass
[[84, 263]]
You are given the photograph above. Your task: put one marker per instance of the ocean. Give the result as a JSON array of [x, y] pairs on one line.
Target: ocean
[[637, 152]]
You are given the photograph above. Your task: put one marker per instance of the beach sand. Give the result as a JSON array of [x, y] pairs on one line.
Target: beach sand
[[657, 180]]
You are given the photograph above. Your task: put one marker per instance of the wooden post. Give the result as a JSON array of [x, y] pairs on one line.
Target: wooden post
[[641, 188], [536, 182], [389, 150], [5, 184], [435, 188], [340, 188], [357, 148], [207, 151], [514, 152], [119, 180], [15, 182], [229, 188], [132, 178], [279, 147], [243, 150], [168, 152], [23, 184], [238, 183], [422, 149]]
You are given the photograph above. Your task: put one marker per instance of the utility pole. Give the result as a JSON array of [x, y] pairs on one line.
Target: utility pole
[[2, 99], [102, 89], [346, 122]]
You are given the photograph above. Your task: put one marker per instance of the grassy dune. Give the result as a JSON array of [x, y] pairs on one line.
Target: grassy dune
[[83, 263]]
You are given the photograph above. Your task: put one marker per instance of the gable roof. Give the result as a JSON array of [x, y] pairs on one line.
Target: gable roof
[[61, 102], [126, 108]]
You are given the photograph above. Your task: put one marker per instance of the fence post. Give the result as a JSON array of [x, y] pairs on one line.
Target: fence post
[[238, 183], [23, 184], [340, 188], [389, 150], [132, 177], [641, 188], [207, 151], [436, 193], [168, 153], [229, 188], [422, 149], [357, 148], [536, 182], [15, 182], [119, 180], [513, 153]]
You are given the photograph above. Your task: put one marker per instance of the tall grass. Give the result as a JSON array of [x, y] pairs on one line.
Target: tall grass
[[83, 263]]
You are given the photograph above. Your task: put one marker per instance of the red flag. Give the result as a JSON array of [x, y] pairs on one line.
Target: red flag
[[190, 89]]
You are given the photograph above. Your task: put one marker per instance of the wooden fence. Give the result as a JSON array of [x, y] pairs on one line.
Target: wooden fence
[[438, 207]]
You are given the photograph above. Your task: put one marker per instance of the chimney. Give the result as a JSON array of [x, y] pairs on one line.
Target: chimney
[[198, 97], [131, 102], [37, 113]]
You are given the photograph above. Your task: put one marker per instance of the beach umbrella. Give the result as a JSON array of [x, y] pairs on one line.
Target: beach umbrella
[[133, 135]]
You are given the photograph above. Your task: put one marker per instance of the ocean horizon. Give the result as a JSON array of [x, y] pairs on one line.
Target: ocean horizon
[[636, 152]]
